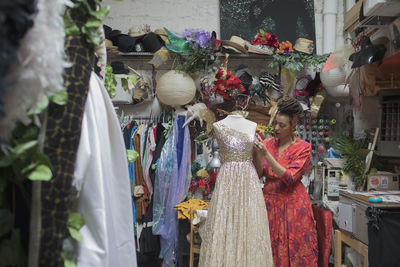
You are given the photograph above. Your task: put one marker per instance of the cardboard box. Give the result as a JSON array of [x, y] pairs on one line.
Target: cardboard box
[[381, 181]]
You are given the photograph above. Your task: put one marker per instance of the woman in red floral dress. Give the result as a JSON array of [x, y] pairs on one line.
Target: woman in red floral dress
[[283, 160]]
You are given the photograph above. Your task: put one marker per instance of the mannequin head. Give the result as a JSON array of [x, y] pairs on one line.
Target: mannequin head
[[286, 118]]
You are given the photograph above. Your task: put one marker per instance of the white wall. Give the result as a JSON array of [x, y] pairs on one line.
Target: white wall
[[175, 15]]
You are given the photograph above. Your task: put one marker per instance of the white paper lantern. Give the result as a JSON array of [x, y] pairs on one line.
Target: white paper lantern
[[175, 88], [333, 77]]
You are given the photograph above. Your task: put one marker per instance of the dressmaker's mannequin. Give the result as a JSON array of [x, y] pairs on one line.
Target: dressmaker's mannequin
[[239, 123]]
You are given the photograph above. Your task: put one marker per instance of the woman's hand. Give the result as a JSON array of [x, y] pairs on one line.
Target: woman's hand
[[259, 146]]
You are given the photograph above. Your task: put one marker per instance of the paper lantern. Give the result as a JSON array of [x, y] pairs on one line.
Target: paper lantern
[[175, 88], [333, 77]]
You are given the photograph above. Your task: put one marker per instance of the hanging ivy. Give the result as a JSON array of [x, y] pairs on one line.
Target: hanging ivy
[[297, 61]]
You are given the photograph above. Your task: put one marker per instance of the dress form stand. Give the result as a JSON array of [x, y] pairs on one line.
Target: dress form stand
[[239, 123]]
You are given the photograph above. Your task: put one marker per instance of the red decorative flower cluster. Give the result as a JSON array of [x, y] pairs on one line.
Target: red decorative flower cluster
[[226, 80], [266, 39]]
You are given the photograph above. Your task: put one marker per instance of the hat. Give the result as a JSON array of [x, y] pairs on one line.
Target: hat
[[107, 31], [126, 43], [243, 73], [114, 36], [235, 43], [119, 67], [260, 49], [369, 53], [162, 33], [152, 42], [137, 31], [304, 45]]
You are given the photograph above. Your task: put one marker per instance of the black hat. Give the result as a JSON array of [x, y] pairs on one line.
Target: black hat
[[113, 36], [152, 42], [126, 43], [368, 53], [107, 31], [244, 74], [119, 68]]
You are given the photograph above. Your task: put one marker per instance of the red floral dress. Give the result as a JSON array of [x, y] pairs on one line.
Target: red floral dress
[[291, 220]]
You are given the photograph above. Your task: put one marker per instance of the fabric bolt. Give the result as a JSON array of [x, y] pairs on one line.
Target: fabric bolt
[[102, 181], [160, 141], [291, 220], [145, 148], [236, 231], [141, 202], [131, 166], [171, 187]]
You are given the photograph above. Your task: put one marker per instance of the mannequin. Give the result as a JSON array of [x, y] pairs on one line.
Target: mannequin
[[236, 121]]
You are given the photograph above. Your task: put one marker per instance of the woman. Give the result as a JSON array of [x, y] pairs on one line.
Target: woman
[[283, 160]]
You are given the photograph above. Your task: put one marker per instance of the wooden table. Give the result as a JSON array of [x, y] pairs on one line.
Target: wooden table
[[343, 236]]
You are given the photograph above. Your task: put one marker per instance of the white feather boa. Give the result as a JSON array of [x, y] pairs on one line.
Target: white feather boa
[[39, 65]]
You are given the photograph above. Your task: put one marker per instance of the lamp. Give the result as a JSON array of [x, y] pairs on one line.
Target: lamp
[[214, 162]]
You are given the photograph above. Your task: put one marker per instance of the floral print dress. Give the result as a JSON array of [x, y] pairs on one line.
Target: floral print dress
[[291, 220]]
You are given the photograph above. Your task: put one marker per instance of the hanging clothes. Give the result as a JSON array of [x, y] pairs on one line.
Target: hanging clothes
[[171, 186], [142, 200], [102, 181]]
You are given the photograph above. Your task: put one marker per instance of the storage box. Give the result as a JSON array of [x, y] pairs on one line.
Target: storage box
[[383, 181]]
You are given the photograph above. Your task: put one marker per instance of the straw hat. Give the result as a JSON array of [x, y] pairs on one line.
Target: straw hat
[[304, 45], [137, 31], [162, 33], [235, 43], [260, 49]]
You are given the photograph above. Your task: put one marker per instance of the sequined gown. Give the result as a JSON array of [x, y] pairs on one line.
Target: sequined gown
[[236, 231]]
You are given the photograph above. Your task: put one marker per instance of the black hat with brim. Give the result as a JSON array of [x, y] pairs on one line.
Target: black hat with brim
[[368, 53]]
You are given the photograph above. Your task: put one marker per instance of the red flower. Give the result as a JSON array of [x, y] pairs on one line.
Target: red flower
[[226, 80], [267, 39]]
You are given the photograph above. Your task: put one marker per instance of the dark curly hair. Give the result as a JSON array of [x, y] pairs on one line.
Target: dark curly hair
[[289, 106]]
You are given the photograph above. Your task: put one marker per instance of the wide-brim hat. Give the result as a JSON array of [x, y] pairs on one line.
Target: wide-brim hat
[[304, 45], [368, 53], [126, 43], [137, 31], [260, 49], [163, 34], [152, 42], [236, 43]]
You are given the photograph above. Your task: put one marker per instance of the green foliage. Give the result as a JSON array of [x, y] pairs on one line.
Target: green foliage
[[297, 61], [198, 61], [110, 82], [60, 98], [354, 152], [93, 21], [11, 250], [75, 222]]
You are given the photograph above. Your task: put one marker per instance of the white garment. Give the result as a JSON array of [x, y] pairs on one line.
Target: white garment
[[102, 180]]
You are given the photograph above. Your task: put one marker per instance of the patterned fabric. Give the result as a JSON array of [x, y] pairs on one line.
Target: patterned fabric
[[236, 231], [62, 139], [291, 220], [171, 186]]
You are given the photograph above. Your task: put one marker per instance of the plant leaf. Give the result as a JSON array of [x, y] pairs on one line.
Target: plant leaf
[[75, 234], [41, 105], [42, 158], [124, 83], [132, 79], [41, 173], [30, 167], [69, 263], [92, 36], [101, 13], [75, 220], [69, 26], [7, 160], [93, 22], [60, 98], [21, 148]]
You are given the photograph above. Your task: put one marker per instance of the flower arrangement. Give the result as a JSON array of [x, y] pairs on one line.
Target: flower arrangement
[[202, 179], [284, 48], [197, 42], [226, 82], [265, 38]]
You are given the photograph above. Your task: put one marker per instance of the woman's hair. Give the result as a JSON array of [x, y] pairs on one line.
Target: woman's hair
[[289, 106]]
